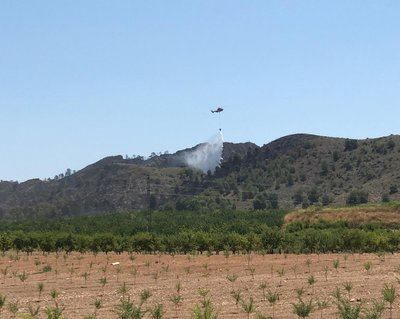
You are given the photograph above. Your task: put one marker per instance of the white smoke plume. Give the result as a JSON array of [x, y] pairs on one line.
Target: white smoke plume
[[208, 155]]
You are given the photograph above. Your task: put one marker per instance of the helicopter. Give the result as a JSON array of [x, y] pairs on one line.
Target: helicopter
[[218, 110]]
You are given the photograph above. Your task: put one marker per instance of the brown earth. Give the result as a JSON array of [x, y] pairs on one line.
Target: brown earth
[[194, 272]]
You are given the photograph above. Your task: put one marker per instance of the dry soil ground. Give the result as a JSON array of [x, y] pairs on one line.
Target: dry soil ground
[[160, 274]]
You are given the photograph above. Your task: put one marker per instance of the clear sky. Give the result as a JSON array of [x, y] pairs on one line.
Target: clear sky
[[81, 80]]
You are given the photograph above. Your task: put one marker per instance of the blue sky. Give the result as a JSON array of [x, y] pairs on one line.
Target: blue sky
[[81, 80]]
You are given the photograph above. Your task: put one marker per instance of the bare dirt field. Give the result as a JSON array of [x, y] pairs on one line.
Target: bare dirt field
[[161, 273]]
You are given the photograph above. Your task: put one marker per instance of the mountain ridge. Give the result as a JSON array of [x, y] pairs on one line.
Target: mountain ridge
[[291, 168]]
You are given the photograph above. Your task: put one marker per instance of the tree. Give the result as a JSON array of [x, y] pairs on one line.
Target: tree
[[2, 302], [237, 296], [311, 281], [289, 181], [205, 310], [357, 197], [367, 266], [313, 196], [385, 198], [326, 200], [346, 310], [5, 243], [157, 312], [324, 168], [375, 311], [40, 287], [153, 201], [350, 145], [264, 200], [249, 306], [393, 189], [126, 309], [13, 307], [33, 312], [390, 144], [259, 202], [348, 286], [272, 201], [272, 298], [321, 306], [104, 242], [176, 300], [302, 309], [298, 198], [389, 295], [335, 156]]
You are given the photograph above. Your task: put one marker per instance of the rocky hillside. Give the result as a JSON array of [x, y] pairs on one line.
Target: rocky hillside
[[307, 169], [293, 171], [111, 184]]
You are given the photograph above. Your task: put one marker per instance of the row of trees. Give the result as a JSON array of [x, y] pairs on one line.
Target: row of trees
[[157, 222], [271, 201], [270, 240]]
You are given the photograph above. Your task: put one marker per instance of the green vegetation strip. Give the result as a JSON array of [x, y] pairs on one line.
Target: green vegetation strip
[[267, 240], [185, 232]]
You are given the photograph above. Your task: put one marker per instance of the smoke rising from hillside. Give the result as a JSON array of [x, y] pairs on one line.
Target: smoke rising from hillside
[[208, 155]]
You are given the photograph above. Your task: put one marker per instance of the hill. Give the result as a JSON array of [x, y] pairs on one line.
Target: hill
[[294, 171]]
